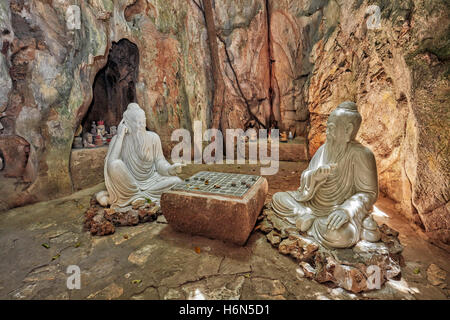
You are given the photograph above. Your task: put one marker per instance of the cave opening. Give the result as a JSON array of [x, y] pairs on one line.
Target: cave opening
[[113, 89]]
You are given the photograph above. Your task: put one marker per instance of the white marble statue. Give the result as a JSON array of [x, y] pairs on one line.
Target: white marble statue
[[338, 189], [135, 167]]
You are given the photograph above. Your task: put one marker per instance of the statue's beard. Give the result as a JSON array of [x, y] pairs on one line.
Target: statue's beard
[[334, 150], [141, 145]]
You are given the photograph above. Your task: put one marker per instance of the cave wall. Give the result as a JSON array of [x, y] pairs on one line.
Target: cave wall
[[264, 48], [244, 56], [294, 59], [295, 26]]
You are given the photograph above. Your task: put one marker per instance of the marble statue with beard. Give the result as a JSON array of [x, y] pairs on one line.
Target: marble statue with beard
[[135, 167], [338, 189]]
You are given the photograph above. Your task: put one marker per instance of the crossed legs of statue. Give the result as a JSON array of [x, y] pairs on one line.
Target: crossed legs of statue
[[287, 208], [127, 190], [296, 213]]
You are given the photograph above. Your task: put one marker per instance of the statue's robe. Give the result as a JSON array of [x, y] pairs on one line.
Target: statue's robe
[[140, 172], [353, 187]]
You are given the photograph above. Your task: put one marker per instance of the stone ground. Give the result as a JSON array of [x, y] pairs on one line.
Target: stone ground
[[152, 261]]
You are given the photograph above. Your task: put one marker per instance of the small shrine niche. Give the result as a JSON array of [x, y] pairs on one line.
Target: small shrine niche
[[114, 88]]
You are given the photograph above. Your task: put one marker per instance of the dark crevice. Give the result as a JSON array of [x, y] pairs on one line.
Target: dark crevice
[[272, 122], [114, 85]]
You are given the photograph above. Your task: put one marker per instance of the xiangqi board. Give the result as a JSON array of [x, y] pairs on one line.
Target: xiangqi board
[[229, 184]]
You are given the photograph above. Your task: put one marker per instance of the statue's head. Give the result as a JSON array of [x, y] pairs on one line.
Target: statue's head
[[343, 123], [134, 118]]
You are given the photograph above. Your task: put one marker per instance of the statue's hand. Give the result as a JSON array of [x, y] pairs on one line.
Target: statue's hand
[[122, 129], [176, 168], [337, 219], [324, 171]]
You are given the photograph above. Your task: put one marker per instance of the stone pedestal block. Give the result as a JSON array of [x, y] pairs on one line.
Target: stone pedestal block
[[214, 214], [293, 151], [86, 166]]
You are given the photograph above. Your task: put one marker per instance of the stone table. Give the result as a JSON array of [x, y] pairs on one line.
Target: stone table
[[216, 205]]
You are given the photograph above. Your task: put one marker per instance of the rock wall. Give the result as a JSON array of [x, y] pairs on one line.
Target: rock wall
[[244, 53], [290, 60], [264, 49], [294, 28]]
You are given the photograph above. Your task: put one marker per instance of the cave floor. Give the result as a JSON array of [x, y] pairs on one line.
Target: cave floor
[[152, 261]]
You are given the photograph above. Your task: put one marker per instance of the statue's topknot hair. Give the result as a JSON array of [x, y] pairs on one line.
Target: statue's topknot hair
[[348, 105]]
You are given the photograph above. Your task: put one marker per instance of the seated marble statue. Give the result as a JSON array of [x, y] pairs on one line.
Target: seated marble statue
[[338, 189], [135, 167]]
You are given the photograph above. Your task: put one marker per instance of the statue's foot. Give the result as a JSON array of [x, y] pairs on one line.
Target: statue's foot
[[371, 236], [370, 230], [138, 202], [102, 197], [304, 222]]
